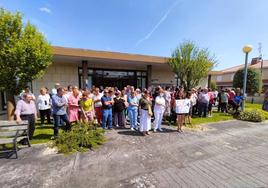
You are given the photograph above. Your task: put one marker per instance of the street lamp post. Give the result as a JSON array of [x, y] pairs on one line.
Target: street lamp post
[[246, 50]]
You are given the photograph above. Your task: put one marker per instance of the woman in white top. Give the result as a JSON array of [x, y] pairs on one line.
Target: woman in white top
[[159, 109], [97, 104], [44, 105]]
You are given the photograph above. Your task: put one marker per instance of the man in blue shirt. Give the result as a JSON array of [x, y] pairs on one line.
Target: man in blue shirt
[[107, 104], [237, 100], [59, 104]]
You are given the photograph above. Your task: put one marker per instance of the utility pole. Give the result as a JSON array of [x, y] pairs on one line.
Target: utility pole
[[260, 57]]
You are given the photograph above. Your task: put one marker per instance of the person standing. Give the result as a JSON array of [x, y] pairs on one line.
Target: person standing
[[44, 106], [54, 90], [26, 110], [203, 102], [231, 94], [211, 102], [219, 101], [224, 101], [97, 104], [59, 104], [167, 97], [133, 104], [180, 116], [87, 107], [265, 101], [194, 98], [119, 107], [27, 91], [107, 104], [73, 105], [159, 109], [191, 99], [145, 104], [237, 100]]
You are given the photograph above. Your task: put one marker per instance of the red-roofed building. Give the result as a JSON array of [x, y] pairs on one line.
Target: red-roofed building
[[224, 78]]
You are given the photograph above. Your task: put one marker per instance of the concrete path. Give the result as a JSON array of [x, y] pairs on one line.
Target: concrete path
[[230, 154]]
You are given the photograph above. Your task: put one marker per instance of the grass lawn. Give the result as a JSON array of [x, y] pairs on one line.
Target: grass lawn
[[253, 106], [42, 134], [216, 117]]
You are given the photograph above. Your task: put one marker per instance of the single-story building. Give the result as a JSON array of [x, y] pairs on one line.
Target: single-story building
[[85, 68], [224, 78]]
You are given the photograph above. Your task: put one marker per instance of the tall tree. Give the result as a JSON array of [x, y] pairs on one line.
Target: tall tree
[[191, 64], [254, 83], [24, 56]]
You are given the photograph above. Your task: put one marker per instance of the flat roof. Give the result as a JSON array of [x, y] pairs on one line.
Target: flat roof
[[105, 55]]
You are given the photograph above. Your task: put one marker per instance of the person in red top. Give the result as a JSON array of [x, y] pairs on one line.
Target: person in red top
[[231, 94], [211, 102]]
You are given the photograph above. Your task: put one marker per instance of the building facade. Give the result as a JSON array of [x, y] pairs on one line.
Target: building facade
[[224, 78], [85, 68]]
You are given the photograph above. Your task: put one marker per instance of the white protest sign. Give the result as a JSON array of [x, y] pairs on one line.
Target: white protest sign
[[183, 106]]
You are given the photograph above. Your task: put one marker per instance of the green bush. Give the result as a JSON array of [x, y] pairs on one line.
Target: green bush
[[82, 137], [252, 115]]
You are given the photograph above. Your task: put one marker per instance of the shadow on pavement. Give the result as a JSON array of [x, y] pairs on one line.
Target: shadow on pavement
[[137, 133], [130, 133], [165, 130]]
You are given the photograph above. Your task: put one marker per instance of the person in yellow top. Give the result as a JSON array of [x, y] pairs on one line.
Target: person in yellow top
[[87, 107]]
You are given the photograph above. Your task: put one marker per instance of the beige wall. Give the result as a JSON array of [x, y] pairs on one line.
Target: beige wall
[[163, 76], [67, 73], [227, 77], [63, 73]]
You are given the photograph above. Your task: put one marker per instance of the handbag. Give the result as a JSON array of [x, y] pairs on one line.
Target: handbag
[[150, 112]]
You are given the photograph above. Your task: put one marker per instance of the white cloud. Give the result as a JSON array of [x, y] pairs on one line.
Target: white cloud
[[157, 25], [45, 9]]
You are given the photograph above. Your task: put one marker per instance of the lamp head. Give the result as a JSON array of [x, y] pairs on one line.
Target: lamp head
[[247, 48]]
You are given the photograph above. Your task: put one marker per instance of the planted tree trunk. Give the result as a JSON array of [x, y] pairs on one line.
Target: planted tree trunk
[[10, 106]]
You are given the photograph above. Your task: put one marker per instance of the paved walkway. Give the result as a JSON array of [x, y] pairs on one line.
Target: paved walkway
[[231, 154]]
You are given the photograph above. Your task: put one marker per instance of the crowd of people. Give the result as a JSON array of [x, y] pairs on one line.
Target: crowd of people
[[110, 107]]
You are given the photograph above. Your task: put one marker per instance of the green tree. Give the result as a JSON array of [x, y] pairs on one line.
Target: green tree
[[253, 80], [213, 85], [191, 64], [24, 56]]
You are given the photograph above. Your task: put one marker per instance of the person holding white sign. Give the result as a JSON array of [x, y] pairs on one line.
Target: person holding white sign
[[180, 108], [159, 109]]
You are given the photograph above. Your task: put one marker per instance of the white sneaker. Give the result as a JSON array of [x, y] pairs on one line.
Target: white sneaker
[[155, 130], [161, 130], [132, 129]]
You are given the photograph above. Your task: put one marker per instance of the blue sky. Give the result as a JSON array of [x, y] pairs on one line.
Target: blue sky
[[152, 27]]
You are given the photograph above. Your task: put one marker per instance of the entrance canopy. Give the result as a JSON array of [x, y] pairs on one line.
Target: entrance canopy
[[106, 59]]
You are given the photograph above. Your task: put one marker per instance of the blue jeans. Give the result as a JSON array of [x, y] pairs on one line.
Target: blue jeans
[[133, 116], [57, 120], [203, 108], [107, 118]]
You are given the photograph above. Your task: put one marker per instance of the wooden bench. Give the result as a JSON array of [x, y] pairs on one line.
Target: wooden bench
[[11, 133]]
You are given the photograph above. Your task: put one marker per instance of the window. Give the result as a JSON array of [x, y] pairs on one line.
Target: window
[[219, 78]]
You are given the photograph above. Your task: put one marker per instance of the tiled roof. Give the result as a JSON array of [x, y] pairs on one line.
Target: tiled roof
[[257, 66]]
